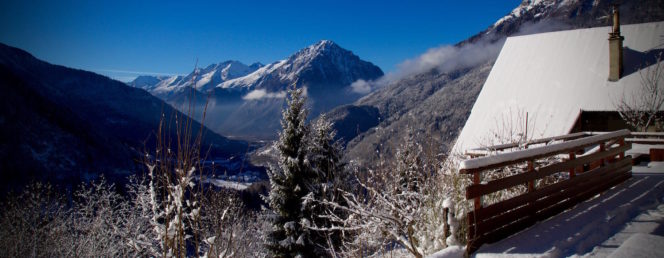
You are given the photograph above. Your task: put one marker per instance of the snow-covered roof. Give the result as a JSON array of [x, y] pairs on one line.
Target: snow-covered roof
[[553, 77]]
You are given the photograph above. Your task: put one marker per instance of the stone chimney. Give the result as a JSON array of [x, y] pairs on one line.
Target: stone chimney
[[615, 48]]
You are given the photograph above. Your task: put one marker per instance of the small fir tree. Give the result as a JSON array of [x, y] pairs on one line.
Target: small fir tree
[[290, 182]]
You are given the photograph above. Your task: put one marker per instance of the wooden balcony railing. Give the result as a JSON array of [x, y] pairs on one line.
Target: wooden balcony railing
[[585, 164]]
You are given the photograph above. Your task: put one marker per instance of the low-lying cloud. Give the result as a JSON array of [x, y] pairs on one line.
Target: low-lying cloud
[[361, 86], [261, 93], [449, 58], [445, 59]]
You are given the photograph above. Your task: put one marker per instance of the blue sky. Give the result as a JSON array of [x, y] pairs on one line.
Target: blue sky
[[124, 38]]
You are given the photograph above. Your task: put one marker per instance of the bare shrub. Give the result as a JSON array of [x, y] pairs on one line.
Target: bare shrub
[[97, 223], [233, 231], [34, 223], [642, 108]]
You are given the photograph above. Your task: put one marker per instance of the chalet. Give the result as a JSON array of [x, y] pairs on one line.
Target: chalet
[[558, 87], [557, 83]]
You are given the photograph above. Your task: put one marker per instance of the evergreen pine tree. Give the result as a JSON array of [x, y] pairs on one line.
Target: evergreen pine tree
[[290, 181], [325, 158]]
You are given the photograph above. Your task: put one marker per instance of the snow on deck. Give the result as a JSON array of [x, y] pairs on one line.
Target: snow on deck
[[554, 76], [607, 224]]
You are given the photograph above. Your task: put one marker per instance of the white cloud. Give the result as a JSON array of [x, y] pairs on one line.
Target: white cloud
[[261, 93], [361, 86], [448, 58], [445, 59]]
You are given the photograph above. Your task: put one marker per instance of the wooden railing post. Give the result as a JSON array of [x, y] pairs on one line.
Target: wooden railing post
[[531, 183], [622, 143], [446, 225], [477, 200], [602, 148], [471, 244], [572, 171]]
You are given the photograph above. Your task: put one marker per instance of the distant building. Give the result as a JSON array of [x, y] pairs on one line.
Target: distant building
[[565, 81]]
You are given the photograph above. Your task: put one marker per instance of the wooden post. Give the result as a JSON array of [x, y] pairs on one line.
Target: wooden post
[[572, 171], [526, 136], [622, 143], [531, 183], [446, 226], [471, 245], [602, 148], [476, 181]]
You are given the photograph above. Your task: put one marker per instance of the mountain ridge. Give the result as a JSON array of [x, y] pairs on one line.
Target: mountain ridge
[[64, 125]]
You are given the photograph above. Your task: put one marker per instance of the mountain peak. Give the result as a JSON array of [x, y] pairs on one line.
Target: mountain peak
[[320, 48], [324, 45]]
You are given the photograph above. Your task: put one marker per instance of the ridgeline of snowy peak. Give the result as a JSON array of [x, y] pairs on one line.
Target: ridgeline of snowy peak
[[205, 79], [246, 101], [434, 105], [324, 63]]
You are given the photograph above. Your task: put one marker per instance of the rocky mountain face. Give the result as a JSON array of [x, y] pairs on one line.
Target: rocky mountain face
[[434, 104], [249, 106], [65, 125]]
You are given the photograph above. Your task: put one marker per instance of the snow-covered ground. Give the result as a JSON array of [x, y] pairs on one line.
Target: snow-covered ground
[[229, 184], [238, 181], [450, 252], [626, 221], [644, 232]]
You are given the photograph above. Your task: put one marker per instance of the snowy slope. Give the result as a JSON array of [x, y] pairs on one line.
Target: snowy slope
[[162, 85], [253, 77], [537, 8], [553, 76]]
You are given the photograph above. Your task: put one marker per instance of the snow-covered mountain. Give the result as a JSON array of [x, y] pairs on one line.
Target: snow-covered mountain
[[324, 63], [246, 101], [202, 80]]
